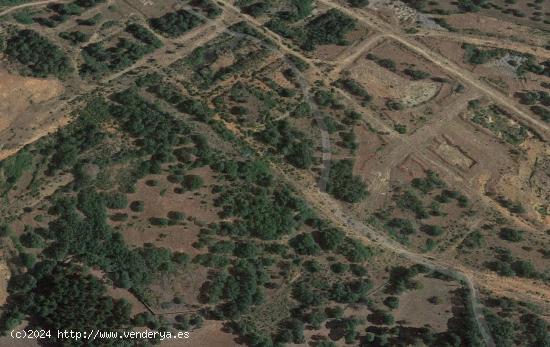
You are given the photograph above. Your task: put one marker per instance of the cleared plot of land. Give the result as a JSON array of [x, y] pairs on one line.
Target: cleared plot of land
[[25, 101]]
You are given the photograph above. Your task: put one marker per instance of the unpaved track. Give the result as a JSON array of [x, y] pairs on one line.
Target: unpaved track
[[368, 19]]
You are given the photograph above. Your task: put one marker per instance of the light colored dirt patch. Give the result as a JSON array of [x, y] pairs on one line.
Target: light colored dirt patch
[[185, 284], [530, 183], [281, 80], [387, 84], [452, 154], [20, 102], [119, 293], [415, 309], [417, 93], [223, 61], [5, 275]]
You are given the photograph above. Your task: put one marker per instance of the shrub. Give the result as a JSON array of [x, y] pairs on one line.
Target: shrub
[[511, 235], [432, 230], [392, 302], [137, 206], [192, 182], [416, 74], [358, 3]]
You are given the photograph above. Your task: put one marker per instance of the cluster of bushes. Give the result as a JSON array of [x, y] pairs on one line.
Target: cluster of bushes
[[534, 97], [471, 5], [507, 265], [408, 200], [510, 205], [174, 24], [13, 167], [40, 57], [239, 288], [496, 120], [512, 235], [356, 89], [186, 104], [75, 37], [81, 231], [78, 136], [384, 62], [402, 278], [65, 11], [330, 27], [57, 296], [157, 130], [98, 59], [210, 8], [343, 185], [431, 182], [201, 59], [416, 74], [358, 3], [262, 208], [290, 142], [144, 35], [477, 56], [328, 238]]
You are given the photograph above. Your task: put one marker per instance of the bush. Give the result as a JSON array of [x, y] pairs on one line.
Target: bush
[[511, 235], [476, 56], [358, 3], [392, 302], [75, 37], [432, 230], [5, 230], [416, 74], [137, 206], [192, 182], [32, 240], [144, 35]]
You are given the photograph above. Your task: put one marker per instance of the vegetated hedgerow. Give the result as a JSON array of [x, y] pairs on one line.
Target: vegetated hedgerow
[[40, 57]]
